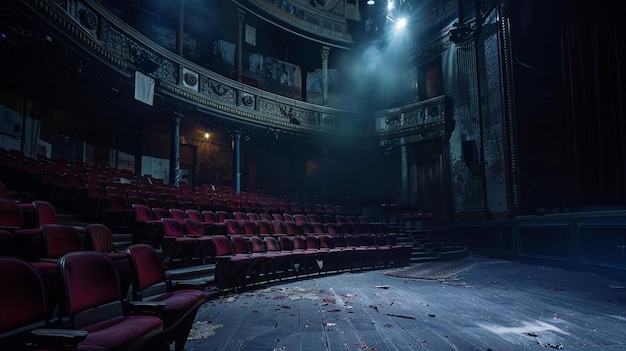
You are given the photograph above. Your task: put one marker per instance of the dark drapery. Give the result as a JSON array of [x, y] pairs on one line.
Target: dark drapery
[[594, 95]]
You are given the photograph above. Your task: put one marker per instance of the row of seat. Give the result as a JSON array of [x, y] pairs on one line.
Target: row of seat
[[97, 188], [174, 229], [89, 283], [244, 260]]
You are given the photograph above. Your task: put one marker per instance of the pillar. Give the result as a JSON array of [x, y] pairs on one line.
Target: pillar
[[175, 151], [404, 164], [239, 50], [236, 163], [325, 52]]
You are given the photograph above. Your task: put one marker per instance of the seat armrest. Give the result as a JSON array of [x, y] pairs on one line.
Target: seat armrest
[[61, 339], [146, 308]]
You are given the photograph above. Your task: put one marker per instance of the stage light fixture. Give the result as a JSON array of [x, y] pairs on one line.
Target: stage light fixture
[[401, 23]]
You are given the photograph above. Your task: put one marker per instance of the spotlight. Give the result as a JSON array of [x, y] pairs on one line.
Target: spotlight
[[401, 23], [371, 2]]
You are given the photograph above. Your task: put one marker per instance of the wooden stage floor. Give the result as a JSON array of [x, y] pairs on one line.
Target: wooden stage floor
[[470, 304]]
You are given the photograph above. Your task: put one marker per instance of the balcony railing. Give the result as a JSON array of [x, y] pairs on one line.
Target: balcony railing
[[89, 27]]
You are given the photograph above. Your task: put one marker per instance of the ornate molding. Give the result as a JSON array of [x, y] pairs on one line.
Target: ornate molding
[[125, 50]]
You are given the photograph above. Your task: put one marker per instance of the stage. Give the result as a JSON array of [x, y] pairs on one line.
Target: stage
[[476, 303]]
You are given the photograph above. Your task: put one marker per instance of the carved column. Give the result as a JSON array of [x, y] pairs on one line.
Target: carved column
[[404, 166], [240, 33], [175, 150], [236, 162], [325, 52]]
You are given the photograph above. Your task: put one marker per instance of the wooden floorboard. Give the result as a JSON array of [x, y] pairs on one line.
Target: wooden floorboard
[[489, 304]]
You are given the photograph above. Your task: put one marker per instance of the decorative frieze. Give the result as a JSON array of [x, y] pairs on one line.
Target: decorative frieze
[[110, 40]]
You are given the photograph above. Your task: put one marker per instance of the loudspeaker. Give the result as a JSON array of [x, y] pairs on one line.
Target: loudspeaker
[[470, 154]]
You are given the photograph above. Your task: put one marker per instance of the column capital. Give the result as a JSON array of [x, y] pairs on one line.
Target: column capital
[[325, 52]]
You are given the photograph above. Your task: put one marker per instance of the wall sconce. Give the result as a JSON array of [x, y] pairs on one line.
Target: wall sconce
[[207, 136]]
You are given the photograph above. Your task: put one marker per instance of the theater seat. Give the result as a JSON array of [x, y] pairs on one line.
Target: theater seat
[[89, 281], [24, 306], [180, 307]]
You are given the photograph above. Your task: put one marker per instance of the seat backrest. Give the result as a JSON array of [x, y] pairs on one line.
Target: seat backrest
[[278, 227], [278, 217], [291, 228], [11, 214], [264, 227], [312, 242], [257, 244], [332, 229], [142, 212], [240, 244], [60, 239], [172, 228], [178, 214], [88, 279], [265, 217], [222, 216], [271, 244], [249, 227], [148, 267], [299, 242], [196, 215], [222, 244], [319, 228], [193, 227], [24, 299], [286, 244], [160, 212], [209, 216], [101, 237], [240, 216], [287, 217], [45, 213], [326, 241], [338, 241], [233, 227], [253, 216], [314, 218]]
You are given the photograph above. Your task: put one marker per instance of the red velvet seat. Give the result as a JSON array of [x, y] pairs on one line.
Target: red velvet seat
[[177, 248], [145, 228], [181, 305], [292, 228], [233, 227], [230, 270], [219, 227], [178, 214], [196, 230], [264, 227], [281, 261], [278, 228], [24, 304], [249, 227], [89, 281]]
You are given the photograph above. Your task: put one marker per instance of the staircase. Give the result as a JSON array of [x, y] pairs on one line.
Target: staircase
[[433, 245]]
